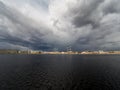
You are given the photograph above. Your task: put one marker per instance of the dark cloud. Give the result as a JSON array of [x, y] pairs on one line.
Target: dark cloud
[[104, 17], [84, 11], [81, 24], [19, 28]]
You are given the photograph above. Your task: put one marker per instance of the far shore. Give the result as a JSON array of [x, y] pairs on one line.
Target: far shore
[[100, 52]]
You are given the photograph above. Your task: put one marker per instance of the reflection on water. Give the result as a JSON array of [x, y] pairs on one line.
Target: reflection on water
[[59, 72]]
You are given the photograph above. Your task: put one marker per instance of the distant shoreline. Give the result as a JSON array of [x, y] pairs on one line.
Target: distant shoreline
[[57, 54], [30, 52]]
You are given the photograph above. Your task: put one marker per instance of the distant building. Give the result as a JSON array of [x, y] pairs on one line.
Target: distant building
[[84, 52], [101, 52], [62, 52]]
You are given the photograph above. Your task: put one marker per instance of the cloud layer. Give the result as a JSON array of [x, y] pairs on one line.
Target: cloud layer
[[49, 24]]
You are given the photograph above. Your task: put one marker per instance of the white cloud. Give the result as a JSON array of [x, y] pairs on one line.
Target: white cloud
[[83, 24]]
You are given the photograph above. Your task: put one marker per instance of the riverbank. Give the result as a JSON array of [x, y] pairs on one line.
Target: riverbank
[[57, 52]]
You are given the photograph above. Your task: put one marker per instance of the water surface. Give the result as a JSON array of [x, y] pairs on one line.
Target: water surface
[[59, 72]]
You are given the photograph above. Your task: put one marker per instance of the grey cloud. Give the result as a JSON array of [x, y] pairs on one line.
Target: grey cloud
[[104, 17], [92, 11], [111, 6], [83, 12], [85, 25], [21, 29]]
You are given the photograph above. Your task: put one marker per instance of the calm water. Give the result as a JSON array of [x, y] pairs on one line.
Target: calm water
[[59, 72]]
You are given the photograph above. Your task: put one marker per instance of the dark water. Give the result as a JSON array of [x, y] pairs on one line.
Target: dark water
[[59, 72]]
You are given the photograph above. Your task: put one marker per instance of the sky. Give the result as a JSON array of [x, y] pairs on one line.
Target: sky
[[49, 24]]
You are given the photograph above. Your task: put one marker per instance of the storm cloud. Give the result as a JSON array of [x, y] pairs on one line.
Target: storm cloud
[[49, 24]]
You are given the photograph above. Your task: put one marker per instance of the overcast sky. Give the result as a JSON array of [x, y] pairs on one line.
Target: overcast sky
[[49, 24]]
